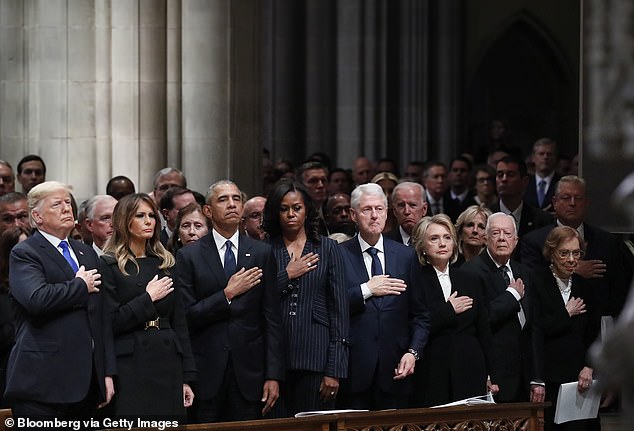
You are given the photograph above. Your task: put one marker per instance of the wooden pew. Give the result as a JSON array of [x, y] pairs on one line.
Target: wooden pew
[[489, 417]]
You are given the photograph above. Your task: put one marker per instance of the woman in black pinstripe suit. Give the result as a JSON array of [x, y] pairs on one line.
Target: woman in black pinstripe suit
[[313, 299]]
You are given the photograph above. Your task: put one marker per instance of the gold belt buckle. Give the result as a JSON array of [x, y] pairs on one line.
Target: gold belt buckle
[[153, 324]]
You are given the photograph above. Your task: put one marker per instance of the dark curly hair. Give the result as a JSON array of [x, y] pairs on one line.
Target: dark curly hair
[[271, 222]]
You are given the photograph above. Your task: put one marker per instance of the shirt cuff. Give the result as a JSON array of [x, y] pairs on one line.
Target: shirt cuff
[[515, 293], [365, 291]]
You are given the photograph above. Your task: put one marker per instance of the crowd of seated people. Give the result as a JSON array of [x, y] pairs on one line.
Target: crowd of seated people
[[340, 288]]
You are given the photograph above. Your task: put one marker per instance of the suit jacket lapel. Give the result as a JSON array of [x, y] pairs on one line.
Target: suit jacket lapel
[[212, 258], [357, 260], [49, 250], [244, 253], [81, 256]]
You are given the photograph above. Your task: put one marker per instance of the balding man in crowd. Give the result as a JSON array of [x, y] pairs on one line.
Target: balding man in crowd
[[7, 178], [409, 205], [13, 211], [99, 211], [251, 222], [338, 215], [362, 171], [119, 187]]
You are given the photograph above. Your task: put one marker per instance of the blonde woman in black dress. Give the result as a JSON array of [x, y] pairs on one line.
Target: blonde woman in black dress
[[154, 360]]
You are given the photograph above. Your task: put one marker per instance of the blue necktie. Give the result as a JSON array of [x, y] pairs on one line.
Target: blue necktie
[[541, 192], [230, 260], [66, 253], [377, 269]]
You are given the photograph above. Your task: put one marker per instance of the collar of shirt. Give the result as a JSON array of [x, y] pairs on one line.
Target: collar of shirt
[[444, 273], [364, 245], [548, 179], [97, 249], [445, 282], [517, 214], [580, 228], [507, 264], [430, 200], [221, 240], [406, 237], [461, 197], [55, 243]]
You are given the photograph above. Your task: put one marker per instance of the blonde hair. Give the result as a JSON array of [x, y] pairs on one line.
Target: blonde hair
[[40, 192], [118, 245], [470, 213], [420, 231]]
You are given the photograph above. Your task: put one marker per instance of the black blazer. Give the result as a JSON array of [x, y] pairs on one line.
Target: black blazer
[[317, 332], [600, 244], [62, 331], [454, 363], [517, 353], [394, 235], [382, 329], [249, 329], [530, 194], [566, 339]]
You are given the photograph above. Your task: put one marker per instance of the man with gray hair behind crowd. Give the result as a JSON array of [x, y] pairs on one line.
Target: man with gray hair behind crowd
[[409, 204], [99, 211]]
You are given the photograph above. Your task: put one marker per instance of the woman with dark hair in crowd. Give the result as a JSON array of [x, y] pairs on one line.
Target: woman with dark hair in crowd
[[471, 227], [8, 239], [570, 325], [454, 363], [154, 359], [313, 297], [191, 225]]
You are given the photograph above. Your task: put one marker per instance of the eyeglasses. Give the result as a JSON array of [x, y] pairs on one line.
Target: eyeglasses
[[565, 254]]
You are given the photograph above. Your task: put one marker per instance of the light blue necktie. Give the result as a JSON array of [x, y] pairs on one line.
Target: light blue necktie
[[66, 253]]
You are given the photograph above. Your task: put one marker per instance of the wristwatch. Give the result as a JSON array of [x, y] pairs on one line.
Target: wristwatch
[[414, 353]]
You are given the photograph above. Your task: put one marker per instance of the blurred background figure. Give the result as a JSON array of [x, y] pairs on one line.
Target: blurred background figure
[[387, 181], [251, 221], [8, 239], [484, 180], [31, 172], [191, 225], [119, 187]]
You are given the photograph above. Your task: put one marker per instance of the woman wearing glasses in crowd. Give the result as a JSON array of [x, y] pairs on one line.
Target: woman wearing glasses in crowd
[[154, 359], [484, 179], [570, 325], [454, 363], [471, 227], [314, 300]]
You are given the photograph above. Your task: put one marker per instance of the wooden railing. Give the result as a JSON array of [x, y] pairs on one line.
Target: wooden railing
[[489, 417]]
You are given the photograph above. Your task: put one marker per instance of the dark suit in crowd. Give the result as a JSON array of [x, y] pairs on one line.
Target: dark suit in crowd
[[530, 194], [531, 218], [517, 352], [237, 343], [454, 364], [63, 349], [382, 329]]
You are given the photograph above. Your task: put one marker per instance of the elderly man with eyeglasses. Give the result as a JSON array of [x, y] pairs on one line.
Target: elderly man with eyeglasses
[[604, 266]]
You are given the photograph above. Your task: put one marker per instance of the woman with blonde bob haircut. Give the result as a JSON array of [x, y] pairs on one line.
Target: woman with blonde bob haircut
[[471, 232], [570, 324], [154, 360], [454, 364]]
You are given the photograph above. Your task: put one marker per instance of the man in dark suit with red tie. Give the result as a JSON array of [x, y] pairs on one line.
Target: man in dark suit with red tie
[[508, 290], [63, 361], [232, 305], [389, 322]]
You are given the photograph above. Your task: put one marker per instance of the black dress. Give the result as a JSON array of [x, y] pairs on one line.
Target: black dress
[[7, 338], [152, 363]]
